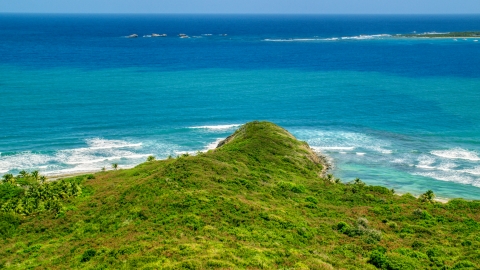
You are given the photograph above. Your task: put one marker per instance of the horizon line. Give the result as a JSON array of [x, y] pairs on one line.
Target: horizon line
[[228, 13]]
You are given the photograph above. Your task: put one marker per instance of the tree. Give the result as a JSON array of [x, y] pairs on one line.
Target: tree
[[35, 175], [42, 179], [8, 178], [115, 166], [428, 196], [23, 174], [150, 158]]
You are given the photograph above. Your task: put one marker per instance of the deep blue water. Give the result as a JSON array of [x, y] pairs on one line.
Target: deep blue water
[[76, 95]]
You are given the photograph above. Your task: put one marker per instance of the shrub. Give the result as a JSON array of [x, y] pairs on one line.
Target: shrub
[[342, 227], [392, 225], [8, 225], [464, 264], [416, 244], [88, 255], [421, 214], [466, 243], [150, 158], [362, 222], [378, 259], [361, 228], [311, 199]]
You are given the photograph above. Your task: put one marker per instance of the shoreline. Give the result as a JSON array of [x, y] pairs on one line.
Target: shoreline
[[325, 160]]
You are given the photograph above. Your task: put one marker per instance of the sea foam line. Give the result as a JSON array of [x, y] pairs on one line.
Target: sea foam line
[[217, 127], [457, 153]]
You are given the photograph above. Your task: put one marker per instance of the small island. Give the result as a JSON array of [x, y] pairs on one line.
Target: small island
[[469, 34]]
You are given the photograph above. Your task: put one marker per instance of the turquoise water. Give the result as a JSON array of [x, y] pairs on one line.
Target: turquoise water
[[77, 96]]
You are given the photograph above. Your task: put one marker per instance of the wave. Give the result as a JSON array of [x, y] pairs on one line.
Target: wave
[[98, 143], [333, 148], [447, 167], [333, 141], [300, 39], [474, 171], [217, 127], [451, 176], [457, 153], [359, 37], [213, 145], [99, 153]]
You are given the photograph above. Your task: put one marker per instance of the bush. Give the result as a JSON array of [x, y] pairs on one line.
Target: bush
[[311, 200], [422, 214], [88, 255], [8, 225], [392, 225], [342, 227], [416, 244], [464, 264], [361, 228], [378, 259], [362, 222]]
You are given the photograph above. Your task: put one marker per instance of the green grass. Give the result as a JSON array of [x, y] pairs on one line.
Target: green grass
[[260, 201]]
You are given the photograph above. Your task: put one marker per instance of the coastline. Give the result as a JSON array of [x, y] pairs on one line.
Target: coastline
[[327, 163]]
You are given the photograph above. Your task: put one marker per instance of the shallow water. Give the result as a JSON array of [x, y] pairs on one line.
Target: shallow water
[[77, 95]]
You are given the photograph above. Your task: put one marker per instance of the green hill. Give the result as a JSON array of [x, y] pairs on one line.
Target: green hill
[[259, 201]]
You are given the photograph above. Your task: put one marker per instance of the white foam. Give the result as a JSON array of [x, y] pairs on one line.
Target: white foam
[[425, 167], [425, 160], [213, 145], [98, 154], [217, 127], [399, 161], [333, 148], [99, 143], [457, 153], [192, 153], [90, 161], [452, 176], [343, 141], [359, 37], [474, 171], [360, 154]]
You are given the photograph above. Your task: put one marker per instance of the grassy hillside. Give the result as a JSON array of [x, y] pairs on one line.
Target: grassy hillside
[[259, 201]]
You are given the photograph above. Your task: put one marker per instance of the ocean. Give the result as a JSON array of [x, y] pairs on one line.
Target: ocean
[[76, 95]]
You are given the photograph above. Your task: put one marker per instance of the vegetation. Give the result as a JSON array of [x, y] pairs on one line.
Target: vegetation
[[259, 201], [471, 34], [29, 193]]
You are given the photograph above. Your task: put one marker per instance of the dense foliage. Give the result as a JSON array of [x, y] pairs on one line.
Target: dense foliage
[[260, 201]]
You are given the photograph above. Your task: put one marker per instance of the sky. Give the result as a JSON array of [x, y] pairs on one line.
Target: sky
[[244, 6]]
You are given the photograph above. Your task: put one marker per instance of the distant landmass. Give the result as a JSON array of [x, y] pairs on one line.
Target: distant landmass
[[472, 34]]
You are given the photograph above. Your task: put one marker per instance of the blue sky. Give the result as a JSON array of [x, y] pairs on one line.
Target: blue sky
[[245, 6]]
